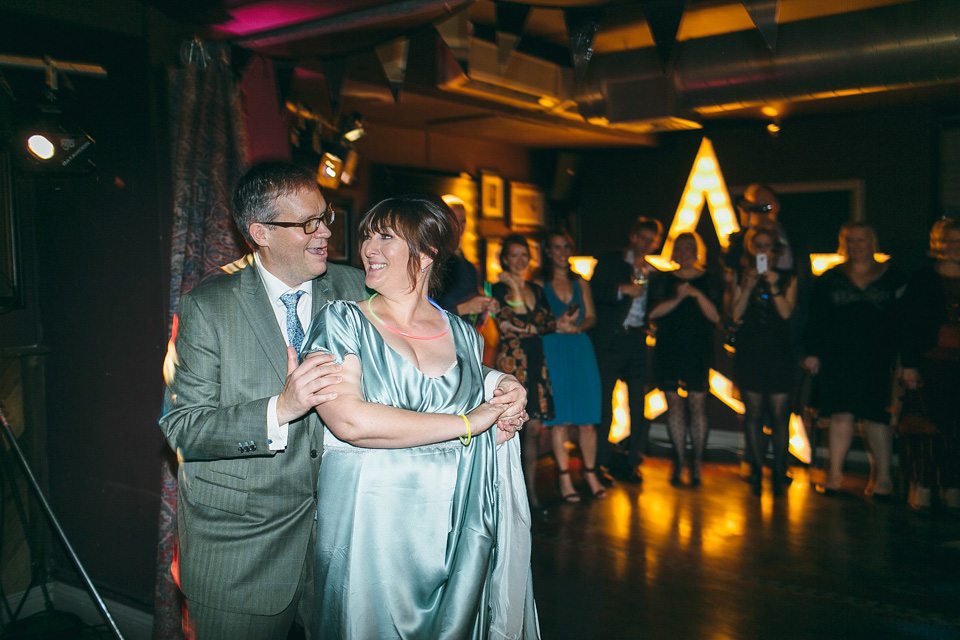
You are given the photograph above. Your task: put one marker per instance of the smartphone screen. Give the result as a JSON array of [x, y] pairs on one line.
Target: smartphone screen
[[761, 263]]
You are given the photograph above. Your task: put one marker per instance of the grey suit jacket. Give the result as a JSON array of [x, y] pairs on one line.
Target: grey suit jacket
[[245, 514]]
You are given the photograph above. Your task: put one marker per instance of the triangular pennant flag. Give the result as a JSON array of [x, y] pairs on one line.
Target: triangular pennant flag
[[582, 26], [334, 73], [510, 20], [393, 59], [663, 20], [239, 57], [506, 45], [764, 16], [455, 32]]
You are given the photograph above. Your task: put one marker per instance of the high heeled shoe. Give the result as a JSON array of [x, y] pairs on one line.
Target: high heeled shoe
[[695, 474], [571, 497], [600, 493], [675, 475]]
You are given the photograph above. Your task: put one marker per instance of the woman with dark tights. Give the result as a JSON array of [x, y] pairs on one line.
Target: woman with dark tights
[[762, 303], [683, 305]]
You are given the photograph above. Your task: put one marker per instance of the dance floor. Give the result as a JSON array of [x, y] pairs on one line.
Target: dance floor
[[717, 563]]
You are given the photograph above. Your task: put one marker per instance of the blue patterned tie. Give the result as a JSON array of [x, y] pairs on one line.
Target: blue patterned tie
[[294, 328]]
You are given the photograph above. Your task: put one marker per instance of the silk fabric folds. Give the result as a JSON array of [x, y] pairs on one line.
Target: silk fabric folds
[[423, 542]]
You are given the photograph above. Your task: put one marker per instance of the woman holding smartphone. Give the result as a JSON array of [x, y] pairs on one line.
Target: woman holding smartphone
[[762, 303], [572, 364]]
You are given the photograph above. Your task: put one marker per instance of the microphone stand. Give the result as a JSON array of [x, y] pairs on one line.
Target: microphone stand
[[55, 524]]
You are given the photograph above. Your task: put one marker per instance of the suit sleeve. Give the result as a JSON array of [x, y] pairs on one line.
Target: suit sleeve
[[194, 423], [605, 284]]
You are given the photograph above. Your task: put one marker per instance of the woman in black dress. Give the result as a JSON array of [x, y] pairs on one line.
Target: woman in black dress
[[763, 301], [524, 318], [851, 342], [931, 361], [683, 306]]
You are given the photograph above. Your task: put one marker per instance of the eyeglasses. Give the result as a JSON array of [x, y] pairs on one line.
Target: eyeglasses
[[311, 225]]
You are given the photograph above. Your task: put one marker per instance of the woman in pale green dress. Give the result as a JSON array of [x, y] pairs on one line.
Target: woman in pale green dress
[[422, 521]]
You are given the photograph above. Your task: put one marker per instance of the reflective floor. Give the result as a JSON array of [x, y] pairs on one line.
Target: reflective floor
[[716, 562]]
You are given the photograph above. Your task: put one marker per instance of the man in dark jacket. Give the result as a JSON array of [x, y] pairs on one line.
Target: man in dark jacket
[[619, 288]]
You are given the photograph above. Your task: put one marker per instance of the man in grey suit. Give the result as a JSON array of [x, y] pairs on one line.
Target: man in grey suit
[[239, 413]]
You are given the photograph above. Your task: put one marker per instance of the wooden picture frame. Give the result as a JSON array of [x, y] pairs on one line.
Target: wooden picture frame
[[491, 196], [526, 205], [339, 246]]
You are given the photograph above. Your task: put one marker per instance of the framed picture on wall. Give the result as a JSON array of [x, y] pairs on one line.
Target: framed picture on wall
[[340, 243], [491, 195], [526, 205]]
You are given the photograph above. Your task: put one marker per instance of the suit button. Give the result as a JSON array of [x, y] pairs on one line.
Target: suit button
[[313, 453]]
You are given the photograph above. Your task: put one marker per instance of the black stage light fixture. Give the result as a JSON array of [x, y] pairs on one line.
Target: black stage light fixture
[[47, 139], [43, 134]]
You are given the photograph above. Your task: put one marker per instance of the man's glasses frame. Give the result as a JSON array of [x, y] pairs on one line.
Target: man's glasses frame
[[311, 225]]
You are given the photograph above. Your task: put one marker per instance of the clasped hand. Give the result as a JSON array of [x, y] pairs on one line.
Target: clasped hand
[[306, 384]]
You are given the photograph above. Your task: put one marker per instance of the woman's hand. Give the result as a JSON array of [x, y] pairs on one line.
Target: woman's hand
[[772, 277], [687, 290], [484, 417], [514, 282], [750, 279]]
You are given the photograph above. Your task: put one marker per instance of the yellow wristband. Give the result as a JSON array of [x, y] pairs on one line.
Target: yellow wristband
[[465, 441]]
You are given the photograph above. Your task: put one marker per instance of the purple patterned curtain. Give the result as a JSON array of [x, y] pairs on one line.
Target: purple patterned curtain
[[208, 156]]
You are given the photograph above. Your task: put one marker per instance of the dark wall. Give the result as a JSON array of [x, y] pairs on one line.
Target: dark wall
[[94, 250], [893, 151]]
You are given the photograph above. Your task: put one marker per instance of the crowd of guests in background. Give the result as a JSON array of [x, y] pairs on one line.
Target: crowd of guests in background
[[862, 331]]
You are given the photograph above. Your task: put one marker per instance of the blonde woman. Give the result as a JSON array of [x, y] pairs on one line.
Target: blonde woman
[[684, 307], [851, 343], [764, 297]]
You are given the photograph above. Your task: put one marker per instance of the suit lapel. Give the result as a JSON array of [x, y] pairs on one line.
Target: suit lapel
[[252, 298]]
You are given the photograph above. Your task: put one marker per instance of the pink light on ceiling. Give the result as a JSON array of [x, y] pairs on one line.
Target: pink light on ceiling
[[256, 17]]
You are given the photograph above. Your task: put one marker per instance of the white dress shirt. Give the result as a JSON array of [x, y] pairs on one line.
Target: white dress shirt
[[276, 432]]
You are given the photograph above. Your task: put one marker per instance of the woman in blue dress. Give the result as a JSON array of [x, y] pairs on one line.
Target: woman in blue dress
[[572, 364], [422, 518]]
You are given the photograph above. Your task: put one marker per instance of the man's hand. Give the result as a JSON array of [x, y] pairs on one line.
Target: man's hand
[[511, 393], [632, 289], [811, 364], [306, 384]]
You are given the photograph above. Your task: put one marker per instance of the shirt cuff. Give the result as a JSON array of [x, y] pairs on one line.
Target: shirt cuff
[[490, 383], [276, 432]]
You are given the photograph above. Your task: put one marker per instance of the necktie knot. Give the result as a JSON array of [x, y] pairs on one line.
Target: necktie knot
[[294, 328]]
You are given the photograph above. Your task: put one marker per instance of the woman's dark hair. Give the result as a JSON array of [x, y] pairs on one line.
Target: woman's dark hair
[[427, 225], [546, 268], [507, 242]]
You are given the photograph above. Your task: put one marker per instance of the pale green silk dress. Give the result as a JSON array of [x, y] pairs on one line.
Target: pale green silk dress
[[424, 542]]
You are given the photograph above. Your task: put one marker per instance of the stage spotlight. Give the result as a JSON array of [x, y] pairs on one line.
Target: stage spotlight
[[46, 140], [40, 146], [328, 174], [352, 128]]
